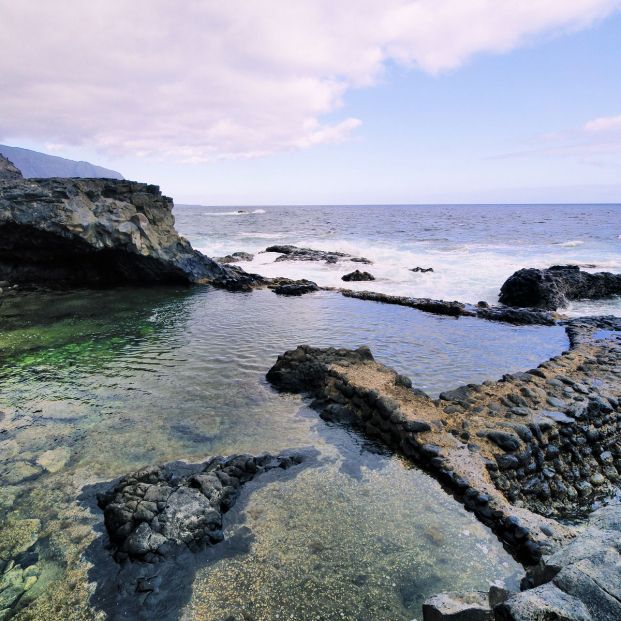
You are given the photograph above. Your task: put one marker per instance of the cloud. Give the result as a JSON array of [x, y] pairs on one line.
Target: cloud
[[604, 124], [597, 142], [204, 79]]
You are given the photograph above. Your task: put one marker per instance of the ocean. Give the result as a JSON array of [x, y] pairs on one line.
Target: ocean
[[472, 249]]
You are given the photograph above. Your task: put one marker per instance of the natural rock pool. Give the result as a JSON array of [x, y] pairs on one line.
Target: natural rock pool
[[94, 385]]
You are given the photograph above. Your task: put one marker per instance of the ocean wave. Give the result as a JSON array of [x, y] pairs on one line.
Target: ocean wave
[[239, 212], [572, 243]]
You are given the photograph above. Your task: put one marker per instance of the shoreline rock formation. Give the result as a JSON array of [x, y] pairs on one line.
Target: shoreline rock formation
[[506, 314], [294, 253], [357, 276], [520, 452], [554, 287], [98, 232]]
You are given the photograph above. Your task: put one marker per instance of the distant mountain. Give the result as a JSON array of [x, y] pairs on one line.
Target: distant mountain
[[35, 164]]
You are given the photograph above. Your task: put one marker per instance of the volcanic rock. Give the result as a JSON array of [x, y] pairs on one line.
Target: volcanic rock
[[554, 287]]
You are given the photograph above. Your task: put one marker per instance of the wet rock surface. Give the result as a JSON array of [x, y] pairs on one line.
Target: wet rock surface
[[285, 286], [294, 253], [357, 276], [19, 570], [96, 232], [151, 512], [163, 522], [554, 287], [235, 257], [454, 606], [517, 316], [421, 270]]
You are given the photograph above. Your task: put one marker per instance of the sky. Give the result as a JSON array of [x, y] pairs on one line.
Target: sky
[[321, 101]]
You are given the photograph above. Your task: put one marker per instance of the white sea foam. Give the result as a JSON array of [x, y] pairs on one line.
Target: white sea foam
[[467, 272], [239, 212], [572, 243]]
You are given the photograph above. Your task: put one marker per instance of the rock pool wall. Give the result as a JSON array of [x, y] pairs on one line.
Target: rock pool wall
[[518, 452]]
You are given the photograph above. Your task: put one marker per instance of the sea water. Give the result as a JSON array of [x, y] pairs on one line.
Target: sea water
[[97, 384], [472, 249]]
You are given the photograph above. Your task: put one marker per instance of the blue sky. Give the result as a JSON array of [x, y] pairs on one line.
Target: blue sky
[[495, 127]]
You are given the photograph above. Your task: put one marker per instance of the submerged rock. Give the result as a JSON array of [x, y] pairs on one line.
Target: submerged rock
[[294, 253], [163, 522], [151, 513], [554, 287], [97, 232], [357, 276]]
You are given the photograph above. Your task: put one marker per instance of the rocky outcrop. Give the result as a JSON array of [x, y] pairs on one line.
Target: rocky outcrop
[[98, 232], [150, 513], [506, 314], [8, 170], [580, 581], [235, 257], [293, 253], [357, 276], [554, 287]]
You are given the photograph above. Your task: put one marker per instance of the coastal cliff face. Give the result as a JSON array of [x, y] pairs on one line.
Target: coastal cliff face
[[96, 232]]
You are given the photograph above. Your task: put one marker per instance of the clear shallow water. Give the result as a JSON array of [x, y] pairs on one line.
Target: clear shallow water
[[97, 384], [472, 248]]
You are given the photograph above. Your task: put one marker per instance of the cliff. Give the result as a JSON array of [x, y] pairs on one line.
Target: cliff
[[97, 232]]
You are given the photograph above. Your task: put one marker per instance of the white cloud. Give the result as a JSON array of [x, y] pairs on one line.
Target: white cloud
[[204, 79], [604, 124]]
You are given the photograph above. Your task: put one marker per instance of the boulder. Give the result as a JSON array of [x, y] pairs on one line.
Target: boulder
[[452, 606], [296, 287], [357, 276], [554, 287], [98, 232], [235, 257], [544, 603]]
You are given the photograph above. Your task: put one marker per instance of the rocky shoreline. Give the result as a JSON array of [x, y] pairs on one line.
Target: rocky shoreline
[[520, 453]]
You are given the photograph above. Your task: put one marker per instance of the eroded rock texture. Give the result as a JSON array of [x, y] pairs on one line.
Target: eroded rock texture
[[554, 287], [151, 513], [98, 232]]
